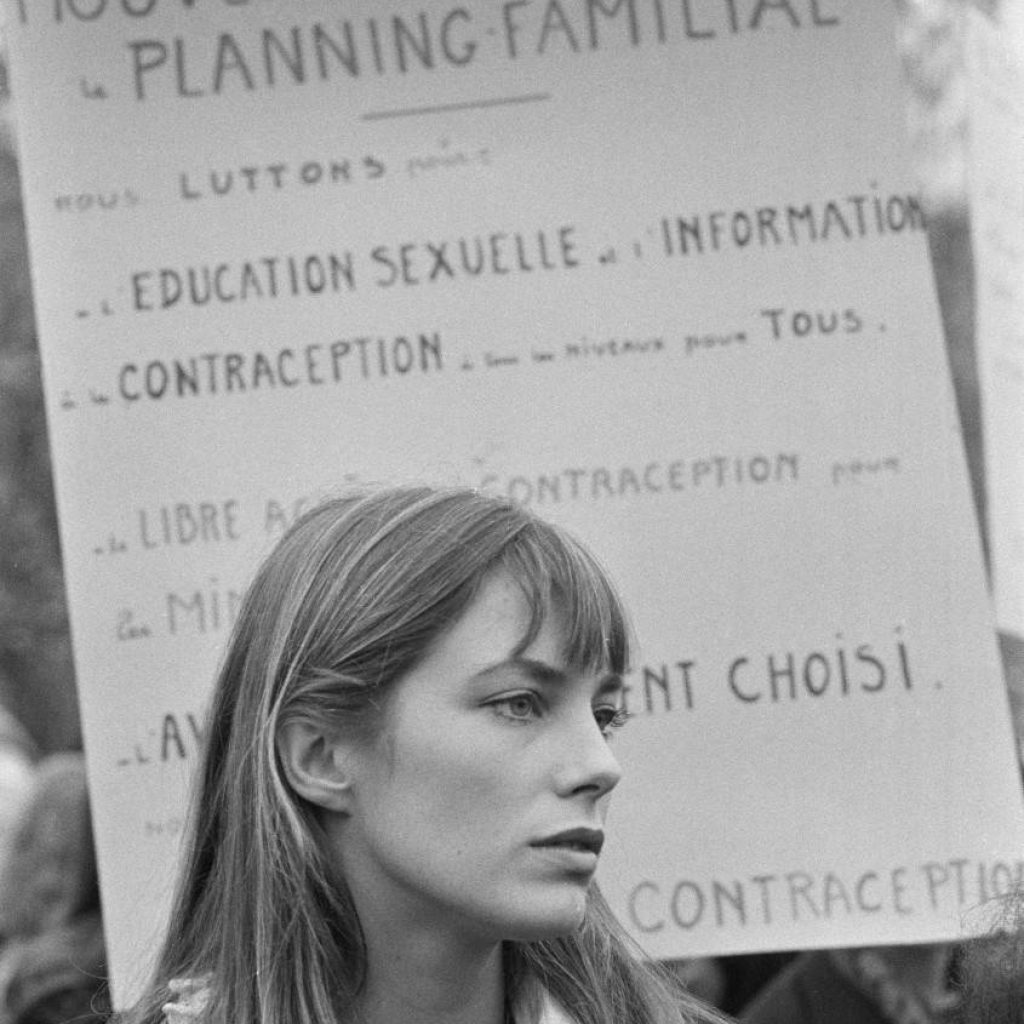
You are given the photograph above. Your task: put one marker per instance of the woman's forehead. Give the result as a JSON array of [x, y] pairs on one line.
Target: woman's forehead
[[505, 620], [578, 642]]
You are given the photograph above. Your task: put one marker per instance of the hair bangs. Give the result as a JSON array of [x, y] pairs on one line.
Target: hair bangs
[[560, 578]]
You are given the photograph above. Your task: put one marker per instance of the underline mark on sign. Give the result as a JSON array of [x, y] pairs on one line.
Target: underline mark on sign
[[441, 108]]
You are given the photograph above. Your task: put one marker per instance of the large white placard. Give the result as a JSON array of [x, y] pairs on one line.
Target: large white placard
[[655, 269]]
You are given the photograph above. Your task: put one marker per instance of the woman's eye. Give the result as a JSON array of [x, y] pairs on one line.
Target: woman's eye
[[609, 718], [519, 707]]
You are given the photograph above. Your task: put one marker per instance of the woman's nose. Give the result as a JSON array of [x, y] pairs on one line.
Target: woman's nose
[[586, 763]]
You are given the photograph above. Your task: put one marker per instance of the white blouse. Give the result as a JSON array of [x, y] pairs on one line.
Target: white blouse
[[190, 996]]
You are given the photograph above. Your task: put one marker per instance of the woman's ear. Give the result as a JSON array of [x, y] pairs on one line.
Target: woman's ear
[[314, 761]]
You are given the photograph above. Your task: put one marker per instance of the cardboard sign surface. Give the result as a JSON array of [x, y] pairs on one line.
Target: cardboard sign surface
[[655, 270]]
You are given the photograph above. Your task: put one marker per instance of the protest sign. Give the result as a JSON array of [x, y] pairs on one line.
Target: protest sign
[[656, 271]]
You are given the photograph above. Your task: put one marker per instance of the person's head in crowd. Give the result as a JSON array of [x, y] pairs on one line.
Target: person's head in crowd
[[400, 807], [993, 969], [17, 773], [49, 876], [53, 958]]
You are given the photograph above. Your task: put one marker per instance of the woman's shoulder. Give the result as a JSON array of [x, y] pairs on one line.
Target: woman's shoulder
[[190, 996]]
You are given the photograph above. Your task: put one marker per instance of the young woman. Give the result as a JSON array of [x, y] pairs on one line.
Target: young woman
[[401, 804]]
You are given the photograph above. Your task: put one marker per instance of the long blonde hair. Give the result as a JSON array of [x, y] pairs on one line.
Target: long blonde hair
[[346, 604]]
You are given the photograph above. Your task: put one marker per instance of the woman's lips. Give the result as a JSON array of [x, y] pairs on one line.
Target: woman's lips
[[580, 840]]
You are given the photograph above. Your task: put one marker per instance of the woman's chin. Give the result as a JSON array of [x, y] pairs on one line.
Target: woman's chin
[[552, 921]]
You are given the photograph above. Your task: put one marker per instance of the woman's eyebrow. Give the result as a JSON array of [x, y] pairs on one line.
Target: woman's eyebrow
[[539, 671], [611, 684], [545, 674]]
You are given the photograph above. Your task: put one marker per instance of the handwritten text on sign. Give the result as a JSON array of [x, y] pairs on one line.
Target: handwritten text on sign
[[655, 270]]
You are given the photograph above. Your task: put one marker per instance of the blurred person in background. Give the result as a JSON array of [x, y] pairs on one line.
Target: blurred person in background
[[52, 958], [913, 984], [993, 970], [17, 774]]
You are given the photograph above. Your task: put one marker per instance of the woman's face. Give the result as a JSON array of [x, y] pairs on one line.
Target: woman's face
[[479, 809]]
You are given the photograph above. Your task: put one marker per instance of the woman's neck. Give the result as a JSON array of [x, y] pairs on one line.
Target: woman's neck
[[425, 980]]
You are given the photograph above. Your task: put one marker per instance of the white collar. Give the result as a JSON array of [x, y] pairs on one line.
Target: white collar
[[551, 1011], [190, 996]]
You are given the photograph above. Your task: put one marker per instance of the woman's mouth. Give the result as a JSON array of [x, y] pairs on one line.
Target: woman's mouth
[[579, 840]]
